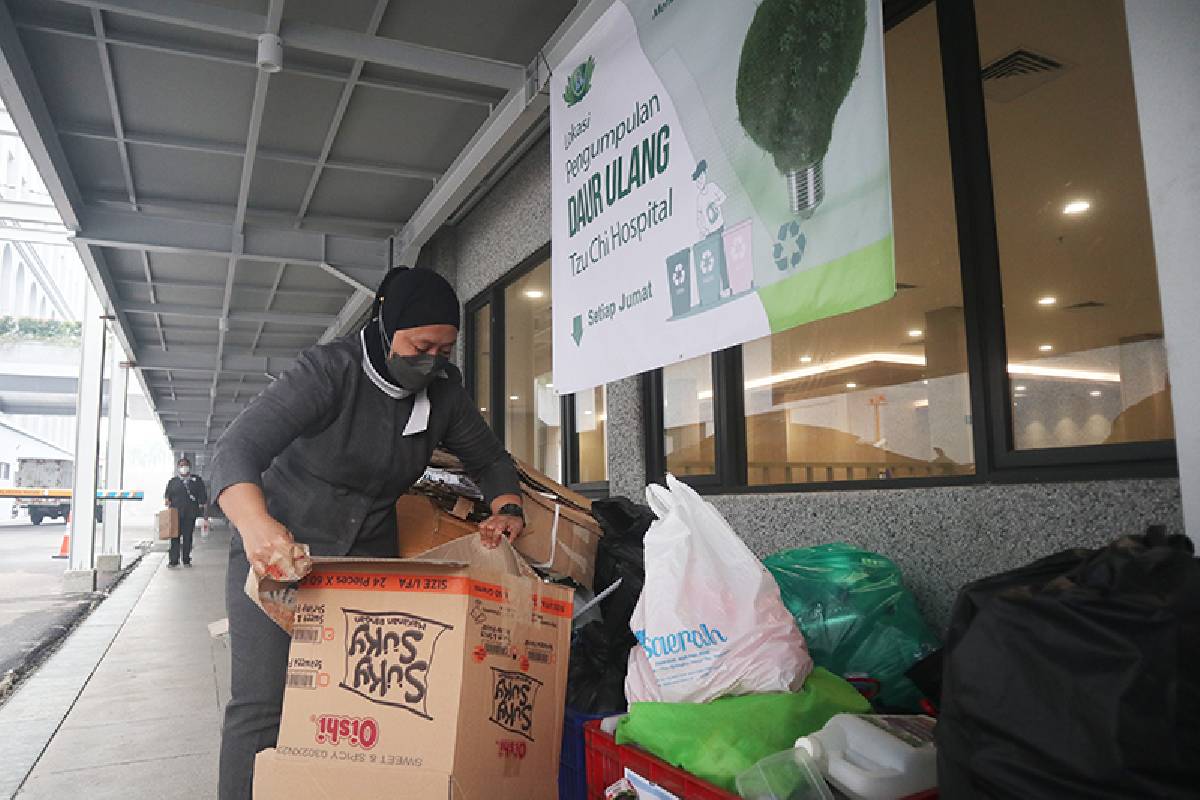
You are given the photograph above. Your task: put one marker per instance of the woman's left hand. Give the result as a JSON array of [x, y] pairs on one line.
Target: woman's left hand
[[499, 525]]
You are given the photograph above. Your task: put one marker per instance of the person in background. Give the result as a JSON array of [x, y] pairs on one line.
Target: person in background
[[187, 494], [320, 458]]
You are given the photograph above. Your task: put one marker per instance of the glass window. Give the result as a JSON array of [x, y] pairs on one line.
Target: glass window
[[1086, 359], [532, 418], [688, 420], [591, 418], [481, 324], [882, 392]]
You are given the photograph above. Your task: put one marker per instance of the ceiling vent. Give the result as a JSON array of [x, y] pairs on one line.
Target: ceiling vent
[[1019, 73]]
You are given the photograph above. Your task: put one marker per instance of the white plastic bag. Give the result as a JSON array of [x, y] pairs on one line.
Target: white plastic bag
[[710, 621]]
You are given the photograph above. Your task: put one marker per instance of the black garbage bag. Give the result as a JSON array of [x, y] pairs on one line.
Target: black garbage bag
[[1077, 676], [620, 556], [596, 678], [600, 650]]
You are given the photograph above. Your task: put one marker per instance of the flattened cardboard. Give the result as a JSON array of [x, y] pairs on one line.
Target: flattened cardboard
[[168, 523], [422, 525], [454, 663]]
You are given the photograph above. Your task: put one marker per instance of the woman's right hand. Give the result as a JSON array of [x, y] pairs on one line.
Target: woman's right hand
[[265, 540]]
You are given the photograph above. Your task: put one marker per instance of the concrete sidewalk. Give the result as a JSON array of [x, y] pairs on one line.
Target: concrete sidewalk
[[130, 706]]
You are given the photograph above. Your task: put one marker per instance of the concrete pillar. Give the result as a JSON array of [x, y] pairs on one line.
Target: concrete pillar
[[109, 559], [1166, 70], [81, 573]]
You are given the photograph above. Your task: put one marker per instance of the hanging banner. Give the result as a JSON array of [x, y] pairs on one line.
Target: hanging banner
[[720, 173]]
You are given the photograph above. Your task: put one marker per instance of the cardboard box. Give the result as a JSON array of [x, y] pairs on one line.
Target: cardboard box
[[168, 523], [422, 525], [561, 535], [277, 776], [558, 538], [448, 671]]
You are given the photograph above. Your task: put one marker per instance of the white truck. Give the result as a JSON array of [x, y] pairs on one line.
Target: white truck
[[49, 482]]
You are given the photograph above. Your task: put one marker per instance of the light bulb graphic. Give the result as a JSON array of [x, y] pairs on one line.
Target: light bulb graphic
[[797, 64]]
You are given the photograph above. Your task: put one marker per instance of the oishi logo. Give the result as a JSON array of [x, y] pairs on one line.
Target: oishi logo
[[389, 656], [514, 695], [354, 731]]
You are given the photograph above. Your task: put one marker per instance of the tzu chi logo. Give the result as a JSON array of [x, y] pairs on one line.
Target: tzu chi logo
[[579, 82]]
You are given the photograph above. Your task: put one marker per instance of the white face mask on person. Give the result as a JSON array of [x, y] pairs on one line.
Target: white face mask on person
[[185, 471]]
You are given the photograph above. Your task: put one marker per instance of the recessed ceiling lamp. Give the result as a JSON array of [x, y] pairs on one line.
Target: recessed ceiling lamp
[[1076, 207], [851, 385], [534, 294], [1096, 393], [805, 359], [1048, 300], [916, 333], [483, 410], [514, 397], [1045, 348], [1018, 388]]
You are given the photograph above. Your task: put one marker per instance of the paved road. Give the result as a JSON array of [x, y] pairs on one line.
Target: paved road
[[32, 602]]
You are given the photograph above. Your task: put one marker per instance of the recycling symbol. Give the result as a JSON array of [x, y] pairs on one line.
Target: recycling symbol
[[708, 262], [678, 275], [712, 212], [789, 246]]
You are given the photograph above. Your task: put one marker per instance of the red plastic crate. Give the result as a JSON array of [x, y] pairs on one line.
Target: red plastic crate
[[607, 760]]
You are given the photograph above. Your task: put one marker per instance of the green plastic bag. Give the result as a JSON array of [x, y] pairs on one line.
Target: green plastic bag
[[719, 740], [856, 616]]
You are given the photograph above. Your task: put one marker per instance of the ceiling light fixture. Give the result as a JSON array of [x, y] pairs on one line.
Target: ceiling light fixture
[[921, 404], [851, 385], [483, 410], [514, 397], [916, 333], [534, 294], [1096, 393], [1048, 300], [805, 359], [1019, 388], [1045, 348], [1076, 207], [270, 53]]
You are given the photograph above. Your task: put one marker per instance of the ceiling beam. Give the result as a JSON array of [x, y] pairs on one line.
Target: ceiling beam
[[339, 111], [114, 105], [209, 312], [159, 282], [216, 147], [294, 66], [202, 361], [106, 228], [372, 227], [321, 39]]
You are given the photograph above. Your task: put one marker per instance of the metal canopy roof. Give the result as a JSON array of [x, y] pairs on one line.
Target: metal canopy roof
[[231, 216]]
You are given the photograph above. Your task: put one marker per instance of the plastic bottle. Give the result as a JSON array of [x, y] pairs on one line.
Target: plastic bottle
[[876, 757]]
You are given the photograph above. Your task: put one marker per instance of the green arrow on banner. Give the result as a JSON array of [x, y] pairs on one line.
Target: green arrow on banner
[[577, 329]]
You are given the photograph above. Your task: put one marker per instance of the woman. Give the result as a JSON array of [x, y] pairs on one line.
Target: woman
[[320, 458]]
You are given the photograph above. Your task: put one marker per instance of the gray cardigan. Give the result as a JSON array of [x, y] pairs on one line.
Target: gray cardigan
[[327, 447]]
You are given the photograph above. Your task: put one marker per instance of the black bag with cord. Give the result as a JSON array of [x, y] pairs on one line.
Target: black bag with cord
[[1077, 676]]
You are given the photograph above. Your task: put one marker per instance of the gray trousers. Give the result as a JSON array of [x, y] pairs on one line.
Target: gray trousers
[[259, 652]]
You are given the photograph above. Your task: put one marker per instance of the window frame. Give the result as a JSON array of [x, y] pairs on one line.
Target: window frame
[[996, 459], [493, 295]]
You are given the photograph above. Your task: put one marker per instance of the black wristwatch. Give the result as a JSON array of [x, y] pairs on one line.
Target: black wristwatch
[[512, 510]]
